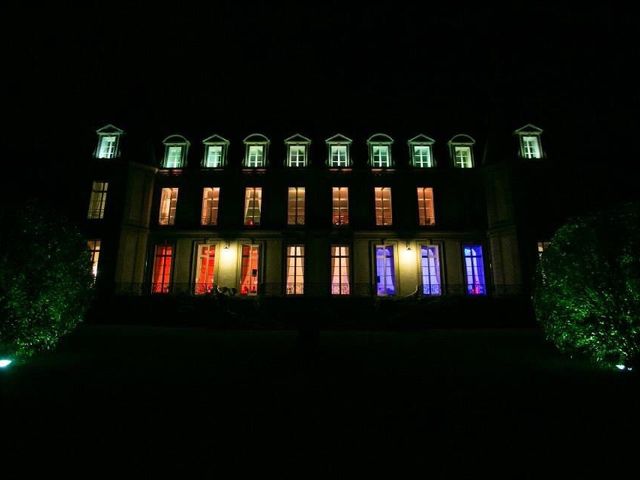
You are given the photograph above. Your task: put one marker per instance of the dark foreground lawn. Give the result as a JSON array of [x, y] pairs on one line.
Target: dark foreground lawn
[[144, 401]]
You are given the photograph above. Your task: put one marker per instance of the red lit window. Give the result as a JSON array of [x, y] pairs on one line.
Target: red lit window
[[249, 270], [162, 269], [205, 269]]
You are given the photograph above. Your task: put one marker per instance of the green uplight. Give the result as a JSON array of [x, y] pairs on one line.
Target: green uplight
[[5, 362]]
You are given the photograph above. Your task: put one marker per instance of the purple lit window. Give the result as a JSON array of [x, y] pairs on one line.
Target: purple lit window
[[385, 271], [474, 270], [430, 269]]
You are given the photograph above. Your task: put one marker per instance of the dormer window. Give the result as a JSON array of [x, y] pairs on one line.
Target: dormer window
[[297, 151], [529, 136], [215, 152], [380, 151], [175, 153], [108, 142], [461, 147], [339, 146], [256, 151], [421, 150]]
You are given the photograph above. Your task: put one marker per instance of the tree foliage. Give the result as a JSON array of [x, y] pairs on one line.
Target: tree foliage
[[587, 294], [45, 280]]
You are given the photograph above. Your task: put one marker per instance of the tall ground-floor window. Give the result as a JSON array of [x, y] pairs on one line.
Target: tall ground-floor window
[[205, 268], [94, 250], [340, 270], [474, 270], [295, 270], [249, 270], [430, 270], [385, 271], [161, 278]]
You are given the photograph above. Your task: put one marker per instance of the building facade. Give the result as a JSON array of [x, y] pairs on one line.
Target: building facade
[[295, 216]]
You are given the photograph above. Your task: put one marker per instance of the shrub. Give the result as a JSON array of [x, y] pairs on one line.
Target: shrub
[[587, 294], [45, 280]]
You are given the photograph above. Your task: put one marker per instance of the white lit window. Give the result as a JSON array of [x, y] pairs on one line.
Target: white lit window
[[383, 206], [380, 156], [340, 210], [108, 146], [174, 156], [98, 200], [252, 205], [340, 270], [462, 156], [422, 156], [214, 156], [168, 203], [255, 156], [210, 203], [94, 250], [338, 156], [295, 207], [426, 214], [297, 156], [530, 146], [295, 270]]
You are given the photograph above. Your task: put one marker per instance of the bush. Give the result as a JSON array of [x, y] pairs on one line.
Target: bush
[[45, 280], [587, 294]]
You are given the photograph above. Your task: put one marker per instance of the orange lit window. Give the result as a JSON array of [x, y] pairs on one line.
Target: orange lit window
[[94, 249], [161, 282], [295, 270], [249, 270], [295, 212], [252, 205], [340, 270], [210, 203], [168, 203], [205, 269], [340, 215], [426, 214], [383, 206]]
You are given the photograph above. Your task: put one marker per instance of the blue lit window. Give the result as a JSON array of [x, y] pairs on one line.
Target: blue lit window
[[430, 270], [474, 270], [385, 271]]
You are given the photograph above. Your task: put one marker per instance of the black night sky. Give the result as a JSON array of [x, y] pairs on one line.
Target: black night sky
[[241, 66]]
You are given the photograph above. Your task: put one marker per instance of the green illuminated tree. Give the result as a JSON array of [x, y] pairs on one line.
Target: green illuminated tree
[[45, 280], [587, 294]]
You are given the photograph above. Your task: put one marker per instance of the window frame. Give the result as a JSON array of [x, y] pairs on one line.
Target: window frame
[[529, 131], [104, 132], [173, 141], [253, 198], [394, 268], [382, 190], [483, 272], [98, 197], [165, 287], [296, 209], [215, 191], [215, 141], [342, 292], [462, 141], [337, 203], [170, 220], [439, 268], [419, 190], [298, 257]]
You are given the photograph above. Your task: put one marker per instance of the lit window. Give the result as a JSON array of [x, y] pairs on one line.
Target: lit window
[[161, 278], [385, 271], [542, 247], [422, 156], [297, 156], [98, 200], [474, 270], [340, 211], [108, 139], [383, 206], [295, 210], [210, 203], [430, 270], [94, 250], [168, 203], [252, 205], [340, 270], [205, 269], [462, 156], [531, 147], [249, 270], [295, 270], [214, 156], [174, 157], [426, 214], [256, 156], [338, 156], [380, 156], [107, 147]]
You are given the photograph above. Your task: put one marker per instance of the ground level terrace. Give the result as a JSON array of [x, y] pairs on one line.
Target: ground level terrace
[[320, 266]]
